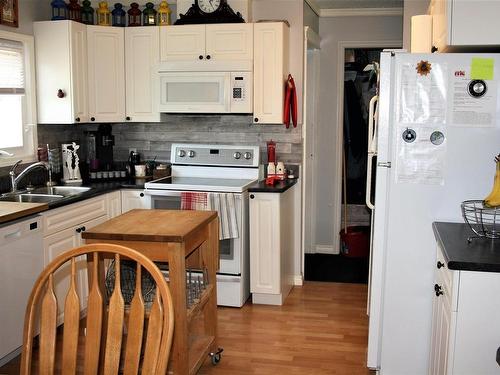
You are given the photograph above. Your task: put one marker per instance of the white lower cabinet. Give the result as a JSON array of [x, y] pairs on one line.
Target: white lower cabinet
[[132, 199], [271, 246], [68, 236], [114, 204], [465, 330]]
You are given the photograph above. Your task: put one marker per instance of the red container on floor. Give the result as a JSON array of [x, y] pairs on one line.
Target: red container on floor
[[356, 242]]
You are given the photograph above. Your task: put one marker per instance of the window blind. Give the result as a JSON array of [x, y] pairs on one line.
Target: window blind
[[11, 67]]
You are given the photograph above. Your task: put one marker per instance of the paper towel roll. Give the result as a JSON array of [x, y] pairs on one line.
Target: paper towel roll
[[421, 34]]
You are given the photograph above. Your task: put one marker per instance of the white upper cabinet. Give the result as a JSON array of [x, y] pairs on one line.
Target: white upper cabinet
[[207, 42], [458, 23], [270, 71], [61, 72], [183, 42], [142, 55], [106, 69], [229, 41]]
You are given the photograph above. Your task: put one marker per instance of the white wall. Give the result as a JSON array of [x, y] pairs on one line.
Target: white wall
[[293, 12], [412, 8], [333, 31], [29, 11]]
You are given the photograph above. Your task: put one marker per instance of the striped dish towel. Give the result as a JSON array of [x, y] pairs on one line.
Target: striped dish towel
[[193, 201], [224, 204]]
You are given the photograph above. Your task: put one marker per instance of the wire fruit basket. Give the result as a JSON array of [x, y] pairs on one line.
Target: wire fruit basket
[[483, 221]]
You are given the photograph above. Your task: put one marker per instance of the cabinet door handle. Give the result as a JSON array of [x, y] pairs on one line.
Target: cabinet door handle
[[438, 290], [434, 49], [60, 94], [128, 118], [201, 57], [440, 265], [141, 195], [256, 119], [209, 57], [92, 119], [252, 196], [77, 119], [78, 230], [84, 229]]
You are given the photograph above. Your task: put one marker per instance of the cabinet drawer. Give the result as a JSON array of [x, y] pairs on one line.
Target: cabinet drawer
[[59, 219]]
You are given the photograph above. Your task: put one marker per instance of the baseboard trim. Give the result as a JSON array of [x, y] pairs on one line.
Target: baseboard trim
[[323, 249], [298, 280]]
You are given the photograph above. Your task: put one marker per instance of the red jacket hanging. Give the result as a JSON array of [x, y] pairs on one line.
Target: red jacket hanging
[[290, 103]]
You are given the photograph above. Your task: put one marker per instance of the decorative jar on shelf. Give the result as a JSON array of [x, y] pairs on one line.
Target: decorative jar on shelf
[[103, 14], [59, 10], [149, 15], [134, 15], [164, 13], [87, 13], [118, 15], [74, 11]]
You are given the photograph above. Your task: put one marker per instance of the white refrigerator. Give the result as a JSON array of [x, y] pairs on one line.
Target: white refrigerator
[[437, 133]]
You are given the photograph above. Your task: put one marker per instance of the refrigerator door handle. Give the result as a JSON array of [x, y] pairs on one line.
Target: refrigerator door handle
[[372, 147], [372, 125], [368, 197]]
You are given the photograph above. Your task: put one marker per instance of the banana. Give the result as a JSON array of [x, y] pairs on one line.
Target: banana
[[493, 199]]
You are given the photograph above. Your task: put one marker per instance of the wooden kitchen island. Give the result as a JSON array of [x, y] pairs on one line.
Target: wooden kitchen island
[[183, 239]]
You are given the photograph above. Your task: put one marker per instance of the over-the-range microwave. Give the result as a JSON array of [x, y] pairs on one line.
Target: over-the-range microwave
[[206, 87]]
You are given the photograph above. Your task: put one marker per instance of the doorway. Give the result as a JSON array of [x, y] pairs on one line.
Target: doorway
[[351, 263]]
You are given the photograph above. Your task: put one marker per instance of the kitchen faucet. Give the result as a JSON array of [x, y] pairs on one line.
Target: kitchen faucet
[[5, 153], [14, 179]]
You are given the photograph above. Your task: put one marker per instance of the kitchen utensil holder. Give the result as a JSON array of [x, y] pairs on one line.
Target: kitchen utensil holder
[[483, 221]]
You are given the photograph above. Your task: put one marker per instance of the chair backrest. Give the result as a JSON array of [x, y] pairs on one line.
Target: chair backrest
[[104, 348]]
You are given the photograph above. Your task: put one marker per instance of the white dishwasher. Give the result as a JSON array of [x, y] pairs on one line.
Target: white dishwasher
[[21, 262]]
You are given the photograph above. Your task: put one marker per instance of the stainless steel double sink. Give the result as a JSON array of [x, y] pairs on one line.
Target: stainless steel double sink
[[44, 194]]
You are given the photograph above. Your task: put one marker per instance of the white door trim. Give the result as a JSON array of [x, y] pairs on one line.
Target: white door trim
[[311, 42], [339, 135]]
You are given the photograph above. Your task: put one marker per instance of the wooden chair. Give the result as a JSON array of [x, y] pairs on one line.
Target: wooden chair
[[103, 349]]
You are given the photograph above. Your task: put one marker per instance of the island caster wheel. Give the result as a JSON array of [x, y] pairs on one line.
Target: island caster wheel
[[216, 357]]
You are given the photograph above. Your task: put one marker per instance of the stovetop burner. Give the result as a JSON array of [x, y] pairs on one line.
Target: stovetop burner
[[200, 184], [210, 168]]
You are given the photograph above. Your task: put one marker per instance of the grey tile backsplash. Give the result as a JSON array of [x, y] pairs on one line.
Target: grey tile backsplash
[[155, 139]]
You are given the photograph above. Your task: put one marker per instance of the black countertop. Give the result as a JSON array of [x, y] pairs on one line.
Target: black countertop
[[280, 187], [481, 254]]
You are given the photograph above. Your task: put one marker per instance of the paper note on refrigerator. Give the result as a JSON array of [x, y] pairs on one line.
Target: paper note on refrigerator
[[473, 102], [421, 160], [482, 68], [422, 93]]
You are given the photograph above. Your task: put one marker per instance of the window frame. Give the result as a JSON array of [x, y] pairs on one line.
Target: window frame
[[28, 153]]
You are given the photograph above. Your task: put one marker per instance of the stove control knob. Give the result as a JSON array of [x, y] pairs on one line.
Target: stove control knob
[[247, 155], [237, 155], [191, 154], [181, 153]]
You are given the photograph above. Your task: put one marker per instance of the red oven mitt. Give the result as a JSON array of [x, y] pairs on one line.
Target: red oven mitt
[[290, 103]]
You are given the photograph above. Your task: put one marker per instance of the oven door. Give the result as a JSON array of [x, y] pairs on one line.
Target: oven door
[[230, 251]]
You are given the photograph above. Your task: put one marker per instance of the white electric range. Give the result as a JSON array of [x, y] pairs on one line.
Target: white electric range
[[215, 168]]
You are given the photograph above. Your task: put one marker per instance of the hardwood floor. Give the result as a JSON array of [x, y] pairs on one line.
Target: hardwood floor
[[322, 329]]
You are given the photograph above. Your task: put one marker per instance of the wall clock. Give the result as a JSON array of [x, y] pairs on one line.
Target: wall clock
[[209, 11]]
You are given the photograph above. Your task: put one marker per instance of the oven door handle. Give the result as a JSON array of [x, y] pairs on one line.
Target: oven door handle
[[162, 193]]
